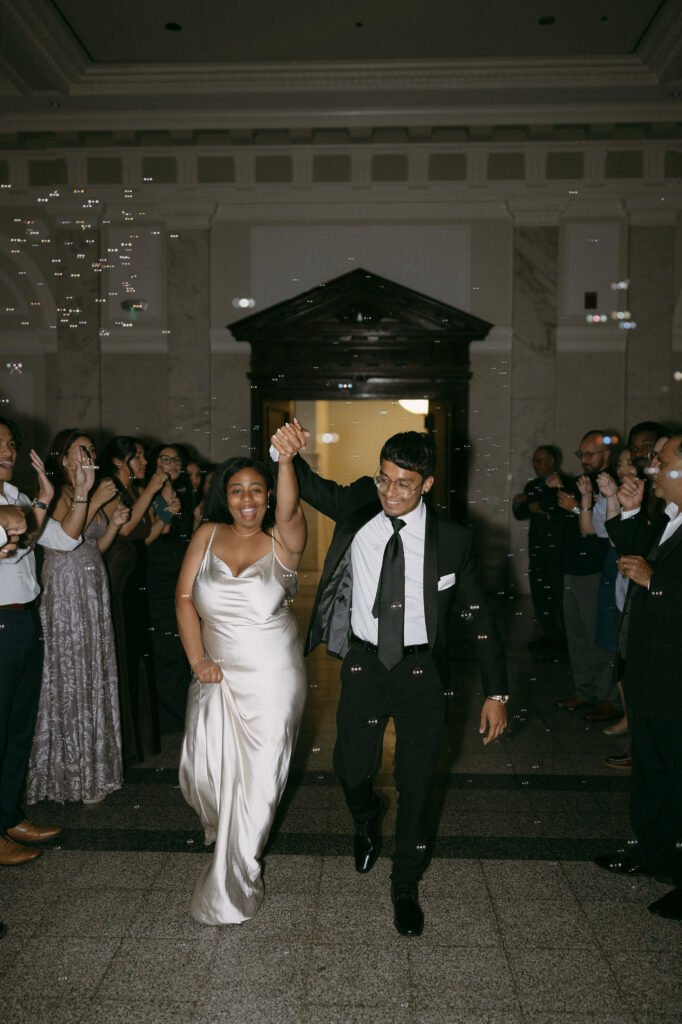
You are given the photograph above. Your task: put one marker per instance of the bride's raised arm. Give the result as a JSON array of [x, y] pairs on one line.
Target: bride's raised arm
[[292, 529]]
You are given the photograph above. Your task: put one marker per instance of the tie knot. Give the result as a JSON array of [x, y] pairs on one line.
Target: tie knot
[[397, 525]]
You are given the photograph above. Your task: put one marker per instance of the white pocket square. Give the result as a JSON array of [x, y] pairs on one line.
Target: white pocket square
[[446, 581]]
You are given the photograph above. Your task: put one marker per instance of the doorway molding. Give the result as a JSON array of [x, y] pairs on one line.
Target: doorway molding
[[362, 336]]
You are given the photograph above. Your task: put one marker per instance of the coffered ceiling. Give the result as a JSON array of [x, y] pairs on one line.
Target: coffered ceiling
[[86, 64]]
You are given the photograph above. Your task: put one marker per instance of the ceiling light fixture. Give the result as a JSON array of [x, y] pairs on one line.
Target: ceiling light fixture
[[172, 26], [546, 19]]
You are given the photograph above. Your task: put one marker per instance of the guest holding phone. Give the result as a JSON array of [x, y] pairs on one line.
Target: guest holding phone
[[173, 505], [125, 464]]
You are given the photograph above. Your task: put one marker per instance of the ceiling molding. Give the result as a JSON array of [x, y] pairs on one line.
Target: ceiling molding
[[661, 49], [39, 33]]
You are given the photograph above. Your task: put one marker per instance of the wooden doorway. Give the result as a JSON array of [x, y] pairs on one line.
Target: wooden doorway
[[359, 337]]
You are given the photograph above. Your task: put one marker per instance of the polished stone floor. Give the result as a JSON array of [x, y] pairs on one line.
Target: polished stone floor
[[521, 928]]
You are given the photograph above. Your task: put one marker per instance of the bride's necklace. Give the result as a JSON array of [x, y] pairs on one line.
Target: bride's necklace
[[252, 534]]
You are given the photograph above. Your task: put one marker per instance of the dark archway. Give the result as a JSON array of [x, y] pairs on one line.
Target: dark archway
[[363, 336]]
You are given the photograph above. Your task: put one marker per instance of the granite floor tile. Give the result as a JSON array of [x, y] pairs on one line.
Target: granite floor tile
[[243, 966], [566, 980], [339, 872], [451, 1015], [157, 969], [449, 921], [526, 879], [619, 1017], [165, 914], [623, 925], [446, 977], [589, 882], [544, 924], [90, 913], [292, 873], [652, 981], [345, 917], [139, 1011], [349, 1014], [119, 870], [179, 871], [60, 967], [359, 975], [41, 1008], [259, 1008], [56, 868], [446, 876]]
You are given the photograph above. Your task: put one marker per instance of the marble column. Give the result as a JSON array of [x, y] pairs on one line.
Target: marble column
[[535, 297], [650, 388], [78, 320], [189, 354]]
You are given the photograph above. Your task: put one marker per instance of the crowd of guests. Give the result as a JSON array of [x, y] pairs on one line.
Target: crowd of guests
[[606, 582], [94, 672]]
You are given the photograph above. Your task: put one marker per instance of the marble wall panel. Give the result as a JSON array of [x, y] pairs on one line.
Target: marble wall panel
[[189, 424], [78, 320], [188, 320], [536, 253], [230, 405], [489, 435], [590, 395], [134, 390], [651, 298]]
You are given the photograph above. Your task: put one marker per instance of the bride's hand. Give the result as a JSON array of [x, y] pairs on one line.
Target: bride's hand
[[207, 671]]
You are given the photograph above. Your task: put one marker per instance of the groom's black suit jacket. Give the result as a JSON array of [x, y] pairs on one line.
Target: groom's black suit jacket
[[450, 573], [653, 663]]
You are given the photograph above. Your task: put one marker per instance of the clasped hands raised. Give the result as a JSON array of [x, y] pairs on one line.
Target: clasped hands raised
[[289, 440]]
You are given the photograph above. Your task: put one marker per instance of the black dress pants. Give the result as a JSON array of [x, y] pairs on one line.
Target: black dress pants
[[412, 695], [656, 793], [21, 662]]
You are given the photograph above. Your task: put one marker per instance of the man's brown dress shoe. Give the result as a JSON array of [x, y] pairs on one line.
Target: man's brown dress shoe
[[622, 761], [12, 853], [603, 712], [573, 703], [27, 832]]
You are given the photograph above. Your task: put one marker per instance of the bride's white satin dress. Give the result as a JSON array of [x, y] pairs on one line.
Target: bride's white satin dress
[[240, 733]]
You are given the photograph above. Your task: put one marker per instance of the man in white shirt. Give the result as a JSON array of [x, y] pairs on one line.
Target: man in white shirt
[[651, 557], [384, 605], [20, 640]]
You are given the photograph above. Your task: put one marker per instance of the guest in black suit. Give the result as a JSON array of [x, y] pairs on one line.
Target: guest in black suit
[[389, 582], [651, 557], [538, 504]]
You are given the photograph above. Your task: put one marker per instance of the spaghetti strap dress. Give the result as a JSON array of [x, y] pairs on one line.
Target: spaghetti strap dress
[[240, 733]]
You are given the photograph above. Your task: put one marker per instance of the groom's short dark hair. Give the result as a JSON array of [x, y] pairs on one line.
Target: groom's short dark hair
[[411, 450]]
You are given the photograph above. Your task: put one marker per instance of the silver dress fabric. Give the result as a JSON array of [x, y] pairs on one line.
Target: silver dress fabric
[[240, 733], [76, 751]]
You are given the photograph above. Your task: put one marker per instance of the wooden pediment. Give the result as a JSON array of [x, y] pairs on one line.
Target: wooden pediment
[[359, 332]]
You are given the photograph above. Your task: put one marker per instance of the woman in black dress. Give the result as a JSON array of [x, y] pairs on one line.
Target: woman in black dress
[[126, 560], [174, 506]]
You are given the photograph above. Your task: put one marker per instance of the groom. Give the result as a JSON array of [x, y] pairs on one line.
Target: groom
[[392, 573]]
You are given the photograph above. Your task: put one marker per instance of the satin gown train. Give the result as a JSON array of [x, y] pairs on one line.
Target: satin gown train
[[240, 733]]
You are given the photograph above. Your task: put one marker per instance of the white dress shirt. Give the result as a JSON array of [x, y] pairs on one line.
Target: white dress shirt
[[367, 555], [18, 579]]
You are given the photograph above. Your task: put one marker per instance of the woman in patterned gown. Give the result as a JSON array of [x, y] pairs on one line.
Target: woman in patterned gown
[[76, 753], [248, 690]]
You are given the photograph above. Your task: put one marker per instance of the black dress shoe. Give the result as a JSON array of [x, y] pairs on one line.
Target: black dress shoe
[[669, 906], [367, 842], [408, 916], [621, 864]]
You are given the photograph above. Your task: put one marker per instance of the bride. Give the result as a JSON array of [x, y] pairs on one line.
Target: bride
[[248, 688]]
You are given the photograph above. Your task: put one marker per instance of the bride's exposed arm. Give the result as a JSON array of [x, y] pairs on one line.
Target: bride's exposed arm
[[292, 528], [189, 626]]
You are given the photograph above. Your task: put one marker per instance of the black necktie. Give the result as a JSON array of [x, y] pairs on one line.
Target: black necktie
[[389, 604]]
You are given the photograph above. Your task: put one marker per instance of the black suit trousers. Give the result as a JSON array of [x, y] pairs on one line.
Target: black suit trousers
[[656, 793], [21, 661], [412, 695]]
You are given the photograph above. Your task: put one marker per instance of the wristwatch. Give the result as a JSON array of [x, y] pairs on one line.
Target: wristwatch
[[502, 698]]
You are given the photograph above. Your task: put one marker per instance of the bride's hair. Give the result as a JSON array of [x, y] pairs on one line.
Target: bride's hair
[[216, 509]]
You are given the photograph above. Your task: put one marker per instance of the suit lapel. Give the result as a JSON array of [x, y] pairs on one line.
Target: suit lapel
[[667, 547], [346, 530], [431, 575]]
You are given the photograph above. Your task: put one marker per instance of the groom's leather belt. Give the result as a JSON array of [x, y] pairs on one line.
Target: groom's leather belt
[[373, 649]]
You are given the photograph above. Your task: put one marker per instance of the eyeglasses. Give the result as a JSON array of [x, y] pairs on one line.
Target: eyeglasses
[[404, 488], [588, 455], [641, 449], [170, 458]]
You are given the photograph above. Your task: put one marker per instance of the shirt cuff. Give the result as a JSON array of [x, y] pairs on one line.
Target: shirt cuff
[[273, 453], [3, 537], [629, 513]]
